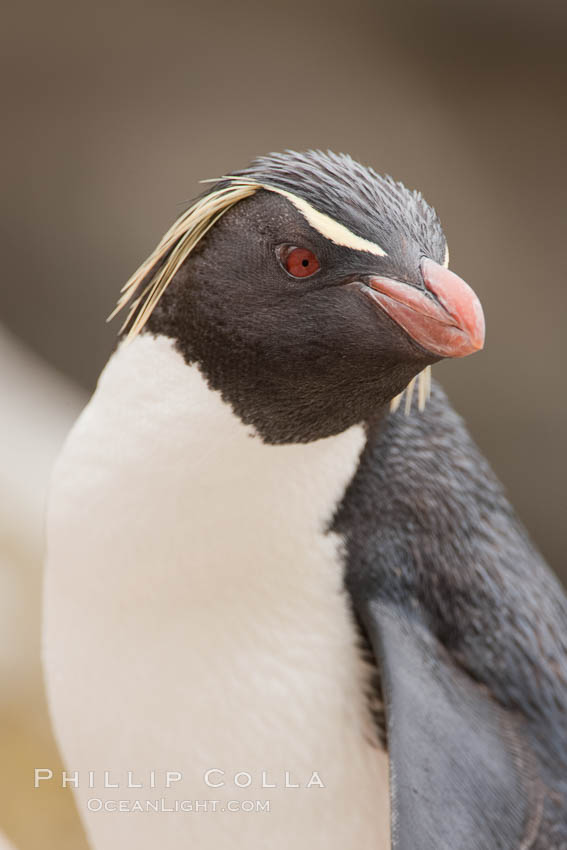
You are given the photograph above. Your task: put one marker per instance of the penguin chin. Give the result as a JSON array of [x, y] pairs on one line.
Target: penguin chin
[[288, 417], [302, 380]]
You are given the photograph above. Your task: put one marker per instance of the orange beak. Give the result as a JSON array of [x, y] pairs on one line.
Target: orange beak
[[446, 318]]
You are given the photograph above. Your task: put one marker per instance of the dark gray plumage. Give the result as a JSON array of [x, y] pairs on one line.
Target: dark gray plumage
[[471, 630]]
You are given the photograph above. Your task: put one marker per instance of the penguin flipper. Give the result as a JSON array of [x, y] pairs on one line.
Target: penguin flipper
[[459, 774]]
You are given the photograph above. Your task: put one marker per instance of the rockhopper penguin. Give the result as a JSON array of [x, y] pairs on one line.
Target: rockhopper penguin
[[265, 581]]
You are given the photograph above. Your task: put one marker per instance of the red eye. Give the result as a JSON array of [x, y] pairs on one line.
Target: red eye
[[299, 262]]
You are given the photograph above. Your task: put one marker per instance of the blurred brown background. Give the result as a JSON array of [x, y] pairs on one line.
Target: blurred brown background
[[114, 111]]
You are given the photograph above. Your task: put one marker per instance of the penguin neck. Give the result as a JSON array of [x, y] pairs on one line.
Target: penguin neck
[[200, 480]]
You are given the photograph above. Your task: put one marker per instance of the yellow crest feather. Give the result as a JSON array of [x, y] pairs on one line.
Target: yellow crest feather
[[178, 242]]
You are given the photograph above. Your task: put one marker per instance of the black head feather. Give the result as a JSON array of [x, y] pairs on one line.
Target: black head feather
[[372, 206]]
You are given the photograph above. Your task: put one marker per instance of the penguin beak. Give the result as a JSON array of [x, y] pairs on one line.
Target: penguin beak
[[445, 318]]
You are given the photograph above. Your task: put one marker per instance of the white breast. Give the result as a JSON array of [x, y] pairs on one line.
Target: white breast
[[196, 620]]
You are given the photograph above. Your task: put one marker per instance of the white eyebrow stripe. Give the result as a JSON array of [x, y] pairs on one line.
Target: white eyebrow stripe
[[328, 227]]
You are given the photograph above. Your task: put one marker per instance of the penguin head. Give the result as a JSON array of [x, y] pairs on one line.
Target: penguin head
[[310, 291]]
